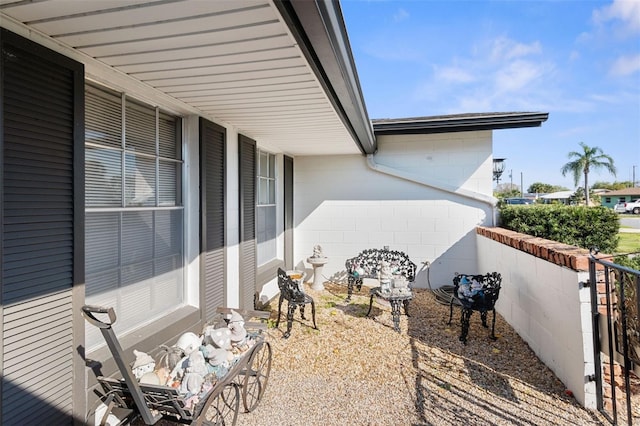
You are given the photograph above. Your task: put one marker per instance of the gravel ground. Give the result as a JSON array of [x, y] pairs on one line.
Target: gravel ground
[[356, 370]]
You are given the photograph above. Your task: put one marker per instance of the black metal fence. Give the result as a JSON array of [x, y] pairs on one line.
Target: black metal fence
[[615, 291]]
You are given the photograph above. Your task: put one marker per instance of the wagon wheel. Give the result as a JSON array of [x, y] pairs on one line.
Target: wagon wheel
[[256, 376], [222, 409]]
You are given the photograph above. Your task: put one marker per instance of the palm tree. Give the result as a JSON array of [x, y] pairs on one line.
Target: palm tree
[[591, 158]]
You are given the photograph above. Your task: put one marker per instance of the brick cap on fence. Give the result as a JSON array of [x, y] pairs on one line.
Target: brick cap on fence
[[572, 257]]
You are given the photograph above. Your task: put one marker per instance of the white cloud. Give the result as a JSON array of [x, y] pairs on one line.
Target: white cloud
[[518, 75], [621, 97], [584, 37], [499, 75], [627, 11], [625, 65], [505, 49], [400, 15], [454, 74]]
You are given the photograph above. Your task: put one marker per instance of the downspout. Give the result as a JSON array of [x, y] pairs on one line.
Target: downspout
[[441, 186]]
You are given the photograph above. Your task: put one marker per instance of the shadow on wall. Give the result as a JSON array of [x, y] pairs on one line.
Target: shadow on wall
[[461, 257], [33, 409], [338, 277]]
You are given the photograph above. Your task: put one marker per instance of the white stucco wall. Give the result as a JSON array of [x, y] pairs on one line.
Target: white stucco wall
[[421, 194], [549, 308]]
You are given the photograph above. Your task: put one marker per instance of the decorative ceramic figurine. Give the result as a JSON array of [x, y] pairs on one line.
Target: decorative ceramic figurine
[[143, 364], [157, 377], [400, 285], [476, 288], [217, 356], [171, 357], [188, 342], [218, 337], [400, 281], [194, 373], [469, 289], [238, 332], [317, 252], [178, 371], [150, 378], [358, 271], [386, 274]]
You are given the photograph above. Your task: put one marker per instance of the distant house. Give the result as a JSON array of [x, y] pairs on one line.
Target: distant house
[[557, 197], [164, 160], [611, 198]]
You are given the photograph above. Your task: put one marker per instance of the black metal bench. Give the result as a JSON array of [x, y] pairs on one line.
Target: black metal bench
[[475, 293], [369, 262]]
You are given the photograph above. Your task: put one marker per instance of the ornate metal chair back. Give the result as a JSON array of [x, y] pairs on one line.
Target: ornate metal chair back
[[289, 288]]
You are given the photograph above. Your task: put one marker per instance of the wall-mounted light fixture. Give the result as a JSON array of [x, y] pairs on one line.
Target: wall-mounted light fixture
[[498, 168]]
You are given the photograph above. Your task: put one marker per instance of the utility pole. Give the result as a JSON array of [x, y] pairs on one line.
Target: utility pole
[[633, 183], [521, 186]]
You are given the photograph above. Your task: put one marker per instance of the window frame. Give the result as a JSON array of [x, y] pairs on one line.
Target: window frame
[[172, 203], [266, 180]]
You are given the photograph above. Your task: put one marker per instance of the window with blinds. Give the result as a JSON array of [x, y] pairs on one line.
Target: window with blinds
[[266, 208], [134, 213]]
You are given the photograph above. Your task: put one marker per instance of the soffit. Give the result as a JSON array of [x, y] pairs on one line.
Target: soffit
[[234, 62]]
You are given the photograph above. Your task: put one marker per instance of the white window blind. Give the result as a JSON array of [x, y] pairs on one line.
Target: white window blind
[[134, 214], [266, 208]]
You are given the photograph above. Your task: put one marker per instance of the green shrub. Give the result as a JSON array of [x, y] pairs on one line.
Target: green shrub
[[579, 226], [628, 261]]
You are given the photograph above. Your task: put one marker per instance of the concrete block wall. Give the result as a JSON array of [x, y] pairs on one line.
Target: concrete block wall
[[544, 299], [346, 206], [461, 159]]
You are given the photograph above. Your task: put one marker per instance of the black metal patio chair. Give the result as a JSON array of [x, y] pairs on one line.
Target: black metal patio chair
[[295, 297], [475, 293]]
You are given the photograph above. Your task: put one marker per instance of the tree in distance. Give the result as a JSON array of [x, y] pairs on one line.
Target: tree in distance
[[591, 158], [612, 186], [544, 188]]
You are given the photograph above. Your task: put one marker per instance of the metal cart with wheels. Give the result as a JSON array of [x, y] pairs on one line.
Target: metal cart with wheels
[[125, 399]]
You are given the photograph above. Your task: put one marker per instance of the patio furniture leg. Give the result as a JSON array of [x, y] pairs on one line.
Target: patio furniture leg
[[349, 289], [279, 310], [395, 312], [313, 314], [483, 317], [405, 304], [351, 284], [464, 321], [291, 309], [370, 305], [493, 326], [302, 312]]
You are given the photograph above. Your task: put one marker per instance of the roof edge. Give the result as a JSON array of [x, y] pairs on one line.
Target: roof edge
[[318, 27], [458, 123]]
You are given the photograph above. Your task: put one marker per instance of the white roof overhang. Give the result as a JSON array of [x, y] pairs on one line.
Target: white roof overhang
[[280, 72]]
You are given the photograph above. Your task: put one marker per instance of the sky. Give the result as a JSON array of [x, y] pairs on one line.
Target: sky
[[577, 60]]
